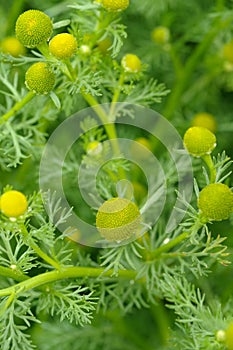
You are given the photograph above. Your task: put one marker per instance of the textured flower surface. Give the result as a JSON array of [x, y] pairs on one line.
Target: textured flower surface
[[63, 46], [12, 46], [39, 78], [33, 27], [131, 63], [199, 141], [216, 202], [115, 5], [13, 203], [229, 337], [118, 219]]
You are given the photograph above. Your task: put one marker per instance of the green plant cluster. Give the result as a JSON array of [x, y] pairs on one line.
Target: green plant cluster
[[166, 289]]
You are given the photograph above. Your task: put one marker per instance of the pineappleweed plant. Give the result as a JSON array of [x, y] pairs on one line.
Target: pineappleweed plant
[[105, 226]]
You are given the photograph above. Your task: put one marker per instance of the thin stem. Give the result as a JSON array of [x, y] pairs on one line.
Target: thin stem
[[14, 274], [37, 249], [17, 107], [69, 272], [158, 252], [72, 72], [176, 61], [165, 247], [44, 49], [116, 95], [209, 162], [109, 127], [160, 316]]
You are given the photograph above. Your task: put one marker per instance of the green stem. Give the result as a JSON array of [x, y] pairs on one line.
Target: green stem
[[116, 94], [209, 162], [44, 49], [37, 249], [161, 318], [14, 274], [165, 247], [72, 74], [176, 61], [109, 127], [184, 78], [103, 22], [158, 252], [17, 107], [118, 88], [7, 303], [69, 272]]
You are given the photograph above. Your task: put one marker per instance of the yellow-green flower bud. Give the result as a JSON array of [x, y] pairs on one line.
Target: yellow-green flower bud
[[13, 203], [63, 46], [228, 51], [94, 148], [104, 45], [33, 27], [206, 120], [39, 78], [115, 5], [161, 35], [12, 46], [229, 337], [215, 202], [118, 219], [131, 63], [199, 141]]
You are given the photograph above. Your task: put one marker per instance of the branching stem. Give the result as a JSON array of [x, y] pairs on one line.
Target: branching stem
[[17, 107], [37, 249], [209, 162], [68, 272]]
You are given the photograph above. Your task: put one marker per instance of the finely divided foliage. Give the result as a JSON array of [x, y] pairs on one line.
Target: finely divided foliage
[[143, 286]]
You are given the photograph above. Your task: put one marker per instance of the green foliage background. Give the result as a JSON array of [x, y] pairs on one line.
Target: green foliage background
[[183, 299]]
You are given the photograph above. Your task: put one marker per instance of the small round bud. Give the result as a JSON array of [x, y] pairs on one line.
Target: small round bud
[[12, 46], [33, 27], [118, 219], [94, 148], [63, 46], [115, 5], [39, 78], [161, 35], [228, 51], [131, 63], [140, 147], [229, 337], [85, 50], [206, 120], [216, 202], [220, 336], [104, 45], [199, 141], [13, 203]]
